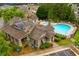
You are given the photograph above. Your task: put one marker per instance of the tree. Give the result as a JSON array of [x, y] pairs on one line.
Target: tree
[[0, 12], [56, 11], [5, 48], [72, 16], [41, 13], [9, 13], [19, 13], [61, 12]]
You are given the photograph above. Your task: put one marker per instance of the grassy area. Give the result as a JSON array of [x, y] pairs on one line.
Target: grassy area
[[69, 41], [76, 34], [76, 38], [77, 21], [64, 42]]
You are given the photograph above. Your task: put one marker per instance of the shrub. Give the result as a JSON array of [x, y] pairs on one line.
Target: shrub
[[77, 21], [60, 36], [77, 42], [76, 38], [48, 45], [45, 45], [15, 47], [57, 39]]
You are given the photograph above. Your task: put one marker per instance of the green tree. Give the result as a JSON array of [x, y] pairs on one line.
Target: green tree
[[72, 16], [19, 13], [0, 12], [55, 11], [61, 12], [42, 12], [9, 13], [5, 48]]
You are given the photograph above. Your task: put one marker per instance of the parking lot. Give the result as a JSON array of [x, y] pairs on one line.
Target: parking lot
[[67, 52]]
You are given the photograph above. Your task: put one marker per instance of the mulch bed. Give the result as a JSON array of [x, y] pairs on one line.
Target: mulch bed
[[23, 51], [26, 51]]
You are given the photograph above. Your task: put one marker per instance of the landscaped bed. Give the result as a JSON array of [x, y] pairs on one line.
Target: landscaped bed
[[27, 50], [23, 51]]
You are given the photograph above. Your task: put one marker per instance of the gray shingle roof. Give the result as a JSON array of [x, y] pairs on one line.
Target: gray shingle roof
[[37, 31], [17, 34], [40, 30]]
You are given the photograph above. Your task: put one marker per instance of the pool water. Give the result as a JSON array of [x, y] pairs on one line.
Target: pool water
[[60, 28]]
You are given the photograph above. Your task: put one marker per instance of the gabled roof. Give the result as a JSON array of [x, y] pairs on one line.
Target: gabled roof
[[17, 34], [16, 30], [37, 33], [49, 31], [40, 31], [24, 25]]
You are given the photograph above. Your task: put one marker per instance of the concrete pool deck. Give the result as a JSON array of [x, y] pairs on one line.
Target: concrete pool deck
[[69, 33]]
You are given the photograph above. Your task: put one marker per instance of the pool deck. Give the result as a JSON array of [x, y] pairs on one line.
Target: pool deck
[[70, 32]]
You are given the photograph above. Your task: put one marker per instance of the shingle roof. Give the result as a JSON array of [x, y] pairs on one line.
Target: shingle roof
[[17, 34], [49, 31], [36, 33], [24, 25], [40, 30]]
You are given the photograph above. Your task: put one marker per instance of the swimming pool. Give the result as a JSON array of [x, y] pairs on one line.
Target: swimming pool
[[60, 28]]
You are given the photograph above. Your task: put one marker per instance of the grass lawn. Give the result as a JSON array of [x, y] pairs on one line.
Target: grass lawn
[[76, 34], [64, 42]]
